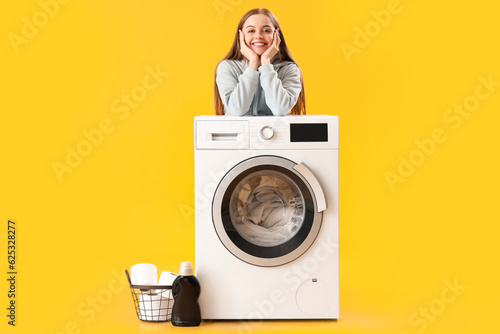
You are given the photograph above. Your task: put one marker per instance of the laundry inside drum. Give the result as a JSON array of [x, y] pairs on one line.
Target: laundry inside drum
[[267, 208]]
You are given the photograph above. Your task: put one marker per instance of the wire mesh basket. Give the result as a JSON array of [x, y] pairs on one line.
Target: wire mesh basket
[[152, 302]]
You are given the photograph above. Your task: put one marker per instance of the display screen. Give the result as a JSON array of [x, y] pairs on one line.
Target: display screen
[[308, 132]]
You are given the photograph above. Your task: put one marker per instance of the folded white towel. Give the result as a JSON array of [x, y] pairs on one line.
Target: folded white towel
[[166, 278], [154, 307]]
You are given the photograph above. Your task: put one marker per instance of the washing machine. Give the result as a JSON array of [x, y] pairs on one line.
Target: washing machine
[[266, 217]]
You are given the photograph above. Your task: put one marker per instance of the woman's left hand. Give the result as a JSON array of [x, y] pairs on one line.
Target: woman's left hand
[[272, 50]]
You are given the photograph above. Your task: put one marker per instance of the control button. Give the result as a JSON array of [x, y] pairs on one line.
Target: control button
[[266, 132]]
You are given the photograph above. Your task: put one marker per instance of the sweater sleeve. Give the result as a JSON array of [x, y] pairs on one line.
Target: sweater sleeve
[[281, 91], [236, 91]]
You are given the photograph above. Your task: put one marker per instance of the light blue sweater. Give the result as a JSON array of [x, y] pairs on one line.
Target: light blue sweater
[[272, 90]]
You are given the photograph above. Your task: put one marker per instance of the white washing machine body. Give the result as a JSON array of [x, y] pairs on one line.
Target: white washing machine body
[[266, 217]]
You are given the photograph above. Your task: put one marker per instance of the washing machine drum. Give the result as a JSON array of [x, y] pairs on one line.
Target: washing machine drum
[[265, 211]]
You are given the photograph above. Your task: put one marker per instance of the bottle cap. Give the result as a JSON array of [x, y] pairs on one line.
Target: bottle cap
[[186, 269]]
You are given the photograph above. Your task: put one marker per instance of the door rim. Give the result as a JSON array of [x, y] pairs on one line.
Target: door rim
[[217, 204]]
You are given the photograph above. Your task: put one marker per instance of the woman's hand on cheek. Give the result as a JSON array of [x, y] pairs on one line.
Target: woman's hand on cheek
[[248, 53], [272, 50]]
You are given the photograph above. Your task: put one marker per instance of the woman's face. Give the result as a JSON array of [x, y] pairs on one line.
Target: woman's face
[[258, 30]]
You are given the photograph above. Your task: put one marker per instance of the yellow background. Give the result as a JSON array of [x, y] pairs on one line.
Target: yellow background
[[131, 199]]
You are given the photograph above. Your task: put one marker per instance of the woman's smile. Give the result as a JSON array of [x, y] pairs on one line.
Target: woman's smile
[[260, 45]]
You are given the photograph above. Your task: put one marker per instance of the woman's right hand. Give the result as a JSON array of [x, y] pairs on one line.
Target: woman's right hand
[[248, 53]]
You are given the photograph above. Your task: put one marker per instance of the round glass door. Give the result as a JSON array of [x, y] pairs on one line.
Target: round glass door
[[265, 212]]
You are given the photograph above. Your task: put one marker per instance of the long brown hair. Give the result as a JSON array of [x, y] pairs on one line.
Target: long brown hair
[[283, 54]]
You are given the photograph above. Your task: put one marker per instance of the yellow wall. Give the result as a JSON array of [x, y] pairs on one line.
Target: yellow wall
[[416, 85]]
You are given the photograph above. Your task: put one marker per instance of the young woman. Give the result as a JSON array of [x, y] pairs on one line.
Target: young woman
[[258, 76]]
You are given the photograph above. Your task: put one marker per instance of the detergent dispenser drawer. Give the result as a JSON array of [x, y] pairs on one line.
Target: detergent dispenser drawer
[[222, 135]]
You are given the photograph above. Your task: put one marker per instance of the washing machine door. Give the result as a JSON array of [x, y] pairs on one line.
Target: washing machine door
[[267, 210]]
